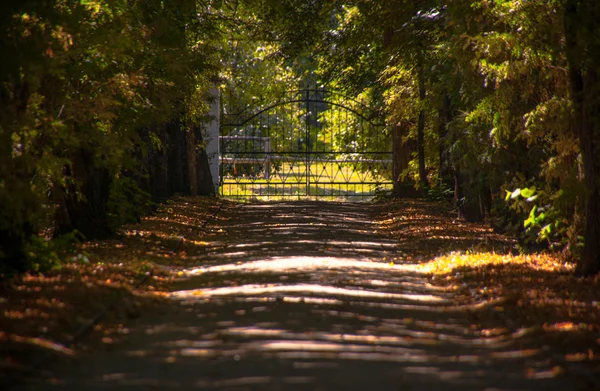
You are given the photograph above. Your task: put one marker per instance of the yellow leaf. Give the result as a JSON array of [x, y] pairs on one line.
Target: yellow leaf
[[200, 243], [576, 357], [198, 293]]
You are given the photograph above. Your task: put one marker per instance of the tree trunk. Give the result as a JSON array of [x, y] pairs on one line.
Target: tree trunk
[[144, 155], [205, 180], [468, 200], [17, 200], [159, 167], [191, 155], [177, 162], [582, 47], [445, 116], [84, 204], [402, 151], [423, 181], [17, 204]]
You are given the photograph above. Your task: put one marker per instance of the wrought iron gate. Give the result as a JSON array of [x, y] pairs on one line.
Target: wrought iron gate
[[311, 143]]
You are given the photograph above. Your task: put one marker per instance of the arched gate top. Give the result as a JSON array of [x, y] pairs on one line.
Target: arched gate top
[[308, 96]]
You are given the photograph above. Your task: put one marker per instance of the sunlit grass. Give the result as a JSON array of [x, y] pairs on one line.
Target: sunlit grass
[[335, 181]]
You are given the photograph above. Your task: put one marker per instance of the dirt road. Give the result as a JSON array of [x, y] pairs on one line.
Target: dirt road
[[304, 296]]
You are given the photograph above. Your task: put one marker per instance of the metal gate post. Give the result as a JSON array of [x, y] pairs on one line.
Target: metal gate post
[[267, 161], [306, 135]]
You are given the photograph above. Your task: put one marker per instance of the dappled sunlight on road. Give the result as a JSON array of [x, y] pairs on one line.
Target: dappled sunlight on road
[[311, 296], [300, 263], [342, 300], [255, 289]]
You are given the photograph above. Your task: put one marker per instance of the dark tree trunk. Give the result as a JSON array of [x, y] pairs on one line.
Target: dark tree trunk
[[445, 117], [159, 172], [402, 151], [192, 160], [583, 56], [144, 156], [421, 151], [458, 187], [83, 206], [205, 180], [13, 241], [179, 167], [470, 202], [424, 182], [177, 162], [16, 228]]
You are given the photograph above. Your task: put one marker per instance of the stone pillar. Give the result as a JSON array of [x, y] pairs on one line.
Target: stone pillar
[[212, 138]]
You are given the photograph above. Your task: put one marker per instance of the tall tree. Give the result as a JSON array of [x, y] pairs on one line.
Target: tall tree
[[85, 88], [583, 53]]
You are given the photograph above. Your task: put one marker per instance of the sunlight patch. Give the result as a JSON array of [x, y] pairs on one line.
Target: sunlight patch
[[448, 263], [320, 346], [262, 289], [285, 264]]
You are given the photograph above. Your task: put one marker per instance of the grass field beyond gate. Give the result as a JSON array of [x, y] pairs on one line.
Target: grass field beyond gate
[[329, 180]]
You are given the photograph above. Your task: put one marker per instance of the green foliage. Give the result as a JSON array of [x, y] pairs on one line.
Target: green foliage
[[439, 193], [127, 202], [543, 221], [503, 66], [78, 82], [44, 255]]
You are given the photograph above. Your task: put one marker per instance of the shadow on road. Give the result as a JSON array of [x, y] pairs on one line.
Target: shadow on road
[[310, 296]]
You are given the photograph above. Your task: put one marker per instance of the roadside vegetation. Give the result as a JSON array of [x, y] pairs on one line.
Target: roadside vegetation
[[492, 108]]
